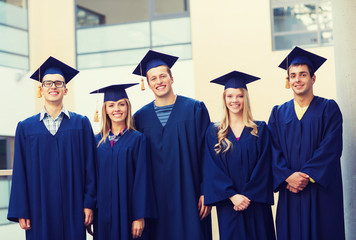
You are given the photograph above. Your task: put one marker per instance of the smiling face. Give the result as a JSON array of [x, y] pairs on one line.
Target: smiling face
[[53, 94], [117, 111], [160, 81], [234, 100], [300, 80]]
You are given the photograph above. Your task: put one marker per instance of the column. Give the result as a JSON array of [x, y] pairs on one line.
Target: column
[[344, 21]]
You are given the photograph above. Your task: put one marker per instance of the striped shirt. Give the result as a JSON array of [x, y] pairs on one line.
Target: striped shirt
[[53, 124], [163, 113], [114, 138]]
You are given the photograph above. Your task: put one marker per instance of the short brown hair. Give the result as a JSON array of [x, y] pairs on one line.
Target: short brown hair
[[168, 71]]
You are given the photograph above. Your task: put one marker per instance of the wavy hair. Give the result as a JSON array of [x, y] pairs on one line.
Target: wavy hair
[[106, 121], [224, 144]]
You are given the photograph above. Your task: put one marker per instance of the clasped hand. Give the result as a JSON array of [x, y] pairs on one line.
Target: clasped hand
[[240, 202], [297, 182]]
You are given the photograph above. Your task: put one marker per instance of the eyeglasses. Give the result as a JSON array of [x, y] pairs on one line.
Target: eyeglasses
[[48, 84]]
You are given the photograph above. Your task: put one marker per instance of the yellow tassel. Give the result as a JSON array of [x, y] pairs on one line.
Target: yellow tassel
[[39, 95], [287, 83], [96, 116], [142, 85], [311, 180]]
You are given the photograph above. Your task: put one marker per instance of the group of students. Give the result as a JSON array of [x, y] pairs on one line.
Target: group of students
[[156, 174]]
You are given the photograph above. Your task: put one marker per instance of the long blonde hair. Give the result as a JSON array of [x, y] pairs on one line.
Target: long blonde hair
[[106, 121], [224, 144]]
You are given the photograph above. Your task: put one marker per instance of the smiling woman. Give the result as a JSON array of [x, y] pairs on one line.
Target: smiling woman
[[238, 158], [124, 173], [234, 100], [117, 112]]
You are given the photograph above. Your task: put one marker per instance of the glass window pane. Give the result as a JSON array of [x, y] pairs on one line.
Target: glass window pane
[[289, 41], [14, 61], [87, 18], [5, 183], [14, 13], [296, 18], [117, 58], [326, 37], [131, 32], [13, 40], [171, 31], [170, 6], [183, 51], [108, 38], [111, 11], [3, 160], [325, 16]]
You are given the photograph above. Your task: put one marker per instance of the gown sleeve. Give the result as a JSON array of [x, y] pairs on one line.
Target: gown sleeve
[[143, 197], [218, 185], [279, 164], [326, 158], [90, 169], [259, 187], [19, 200], [202, 121]]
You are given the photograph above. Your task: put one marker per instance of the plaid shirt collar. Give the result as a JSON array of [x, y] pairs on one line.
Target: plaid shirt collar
[[115, 138], [44, 113]]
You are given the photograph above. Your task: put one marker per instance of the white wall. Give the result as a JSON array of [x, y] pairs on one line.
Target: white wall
[[17, 99], [236, 35]]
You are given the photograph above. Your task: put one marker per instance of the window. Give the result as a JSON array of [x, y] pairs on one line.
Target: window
[[120, 32], [6, 156], [301, 22], [169, 7], [87, 18], [14, 34]]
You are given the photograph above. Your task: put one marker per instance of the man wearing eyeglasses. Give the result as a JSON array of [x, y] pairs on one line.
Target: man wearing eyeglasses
[[53, 187]]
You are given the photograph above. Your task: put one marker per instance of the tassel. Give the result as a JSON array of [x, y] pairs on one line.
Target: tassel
[[287, 83], [39, 95], [142, 85], [96, 116], [142, 82]]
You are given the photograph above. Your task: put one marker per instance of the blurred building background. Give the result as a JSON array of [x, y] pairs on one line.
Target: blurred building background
[[105, 39]]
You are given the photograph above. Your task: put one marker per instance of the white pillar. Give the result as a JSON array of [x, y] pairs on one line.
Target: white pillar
[[344, 21], [52, 33]]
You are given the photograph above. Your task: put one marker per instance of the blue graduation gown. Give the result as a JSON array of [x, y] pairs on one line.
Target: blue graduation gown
[[177, 152], [125, 191], [244, 169], [312, 145], [53, 177]]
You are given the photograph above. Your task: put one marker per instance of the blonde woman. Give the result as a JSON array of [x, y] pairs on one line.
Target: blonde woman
[[125, 195], [238, 178]]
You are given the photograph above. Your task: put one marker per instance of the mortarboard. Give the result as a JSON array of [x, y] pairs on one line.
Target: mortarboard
[[301, 56], [54, 66], [298, 56], [112, 93], [235, 79], [153, 59]]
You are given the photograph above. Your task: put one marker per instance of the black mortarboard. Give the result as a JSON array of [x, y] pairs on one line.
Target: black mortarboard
[[235, 79], [114, 92], [301, 56], [154, 59], [54, 66]]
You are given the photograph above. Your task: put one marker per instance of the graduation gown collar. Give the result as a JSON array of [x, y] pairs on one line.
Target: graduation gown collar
[[171, 116], [292, 115]]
